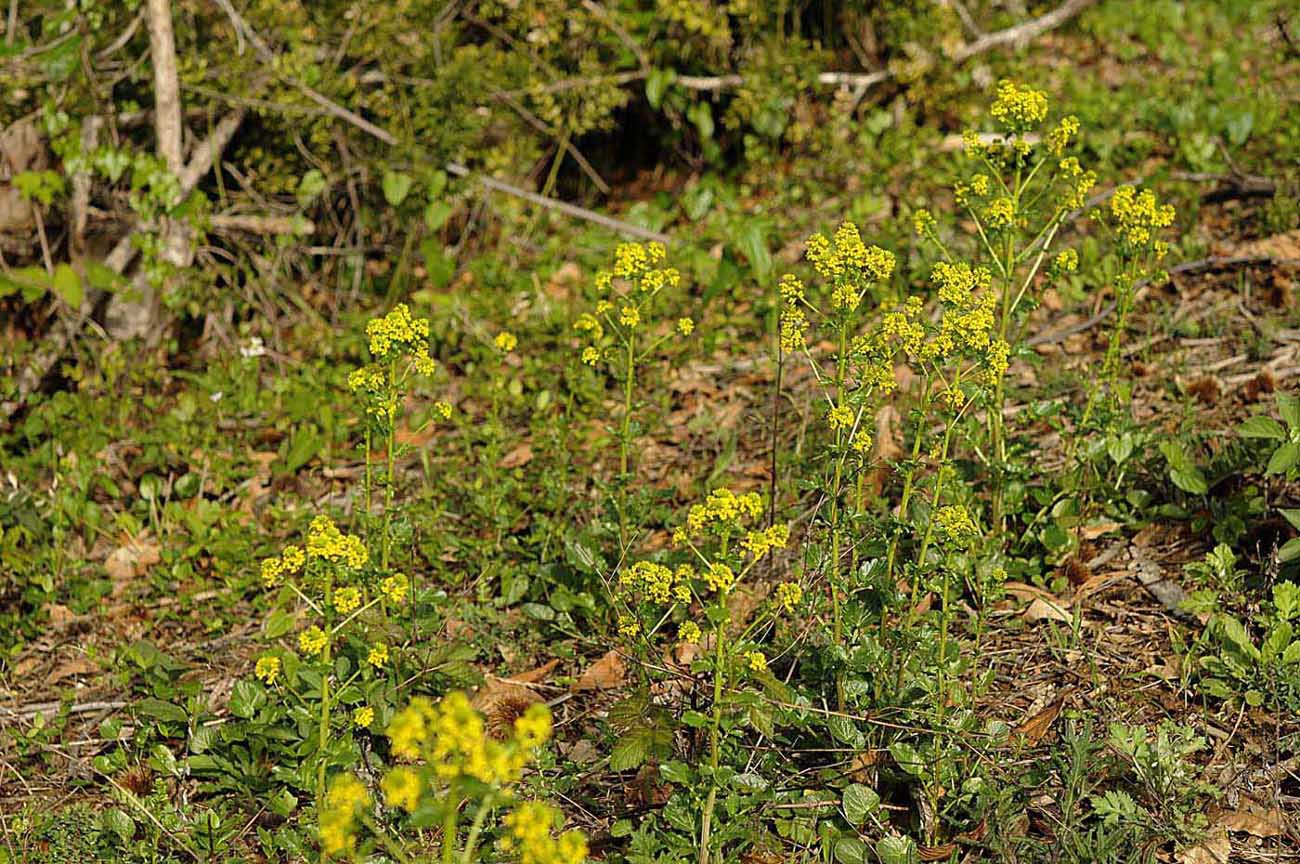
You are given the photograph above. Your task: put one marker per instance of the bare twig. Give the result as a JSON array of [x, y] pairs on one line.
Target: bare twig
[[562, 206], [1023, 33]]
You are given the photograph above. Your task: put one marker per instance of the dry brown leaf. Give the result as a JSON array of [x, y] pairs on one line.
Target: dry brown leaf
[[502, 701], [521, 455], [72, 668], [606, 673], [936, 853], [1256, 823], [1021, 591], [1285, 245], [1035, 727], [1041, 609], [61, 617], [1215, 849], [130, 560], [1098, 529], [534, 676]]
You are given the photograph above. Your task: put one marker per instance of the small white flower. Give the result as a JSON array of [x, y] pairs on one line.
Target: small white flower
[[255, 348]]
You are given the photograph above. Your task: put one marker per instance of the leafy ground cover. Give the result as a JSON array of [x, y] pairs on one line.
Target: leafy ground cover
[[925, 496]]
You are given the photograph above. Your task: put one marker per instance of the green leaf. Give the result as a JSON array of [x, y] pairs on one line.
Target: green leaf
[[1290, 551], [303, 447], [277, 624], [753, 245], [67, 284], [1289, 407], [656, 83], [437, 263], [701, 115], [908, 758], [1292, 516], [1261, 426], [119, 823], [246, 698], [160, 710], [396, 186], [846, 731], [437, 214], [1284, 458], [630, 751], [858, 802], [896, 849], [850, 850], [312, 184]]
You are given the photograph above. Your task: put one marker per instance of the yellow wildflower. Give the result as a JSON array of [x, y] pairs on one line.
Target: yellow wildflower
[[377, 655], [312, 641], [347, 600], [533, 727], [363, 717], [268, 668], [756, 660], [401, 788], [505, 341]]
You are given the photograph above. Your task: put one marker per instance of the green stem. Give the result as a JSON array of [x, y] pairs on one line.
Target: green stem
[[484, 807], [449, 826], [719, 672], [388, 486], [625, 435]]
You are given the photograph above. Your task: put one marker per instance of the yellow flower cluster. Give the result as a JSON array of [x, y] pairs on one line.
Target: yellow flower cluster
[[450, 737], [720, 578], [529, 834], [789, 595], [756, 660], [312, 641], [998, 360], [327, 542], [794, 324], [1062, 134], [1138, 215], [505, 342], [658, 583], [721, 513], [290, 562], [956, 525], [849, 263], [346, 796], [398, 333], [632, 283], [839, 417], [689, 632], [967, 311], [267, 668], [347, 600], [1078, 183], [1001, 213], [401, 787], [760, 543], [377, 655], [1017, 108], [363, 717], [394, 588]]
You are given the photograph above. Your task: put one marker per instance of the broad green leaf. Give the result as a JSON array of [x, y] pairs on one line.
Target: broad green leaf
[[850, 850], [1290, 550], [1284, 458], [67, 284], [656, 83], [1289, 407], [1260, 426], [858, 802], [437, 214], [396, 187], [896, 849], [753, 245], [160, 710], [312, 184]]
